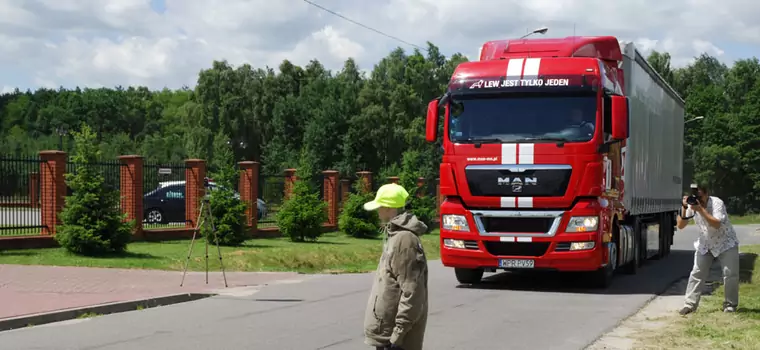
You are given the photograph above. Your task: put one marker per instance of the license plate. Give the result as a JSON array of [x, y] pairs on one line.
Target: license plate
[[516, 263]]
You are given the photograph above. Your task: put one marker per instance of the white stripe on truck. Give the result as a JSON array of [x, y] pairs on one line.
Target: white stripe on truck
[[520, 153], [525, 153], [508, 153], [515, 68], [532, 65]]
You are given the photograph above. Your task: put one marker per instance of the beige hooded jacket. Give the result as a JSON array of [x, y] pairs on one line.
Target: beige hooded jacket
[[398, 303]]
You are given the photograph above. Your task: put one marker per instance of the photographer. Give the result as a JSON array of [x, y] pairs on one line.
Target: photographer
[[717, 240]]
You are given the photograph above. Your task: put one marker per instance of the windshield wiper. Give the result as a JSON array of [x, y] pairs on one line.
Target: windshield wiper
[[560, 140], [482, 140]]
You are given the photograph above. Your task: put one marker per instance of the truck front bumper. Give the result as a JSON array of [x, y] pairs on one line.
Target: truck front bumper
[[470, 250]]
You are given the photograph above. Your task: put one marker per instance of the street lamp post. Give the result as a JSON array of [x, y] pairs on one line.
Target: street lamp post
[[694, 119], [541, 30], [62, 131]]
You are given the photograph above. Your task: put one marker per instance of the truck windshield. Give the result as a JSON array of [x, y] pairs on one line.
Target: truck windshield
[[524, 118]]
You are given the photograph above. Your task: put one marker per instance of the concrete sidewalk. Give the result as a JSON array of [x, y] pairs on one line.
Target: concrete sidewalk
[[26, 290]]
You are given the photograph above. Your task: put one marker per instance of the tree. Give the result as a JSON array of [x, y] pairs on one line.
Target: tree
[[301, 216], [92, 221], [349, 120], [354, 220], [227, 209]]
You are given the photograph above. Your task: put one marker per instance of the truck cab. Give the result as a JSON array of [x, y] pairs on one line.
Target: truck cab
[[532, 176]]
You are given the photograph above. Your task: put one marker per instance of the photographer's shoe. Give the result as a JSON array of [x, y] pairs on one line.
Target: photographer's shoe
[[728, 307], [685, 311]]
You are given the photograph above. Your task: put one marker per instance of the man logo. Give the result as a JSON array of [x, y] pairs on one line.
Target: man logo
[[517, 183]]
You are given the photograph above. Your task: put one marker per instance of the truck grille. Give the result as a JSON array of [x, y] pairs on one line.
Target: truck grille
[[534, 249], [518, 180], [517, 225]]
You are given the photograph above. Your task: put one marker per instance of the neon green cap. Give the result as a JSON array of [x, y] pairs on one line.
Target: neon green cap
[[388, 196]]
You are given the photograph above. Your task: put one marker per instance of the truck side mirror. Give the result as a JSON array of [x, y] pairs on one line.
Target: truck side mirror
[[619, 117], [431, 122]]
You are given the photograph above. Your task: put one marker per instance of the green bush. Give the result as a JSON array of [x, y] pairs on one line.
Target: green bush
[[92, 222], [301, 216], [227, 209], [354, 220], [424, 207]]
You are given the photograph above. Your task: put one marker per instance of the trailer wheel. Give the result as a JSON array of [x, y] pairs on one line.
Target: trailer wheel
[[661, 238], [468, 276]]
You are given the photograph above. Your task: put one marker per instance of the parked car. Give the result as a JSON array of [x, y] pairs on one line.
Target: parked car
[[166, 203]]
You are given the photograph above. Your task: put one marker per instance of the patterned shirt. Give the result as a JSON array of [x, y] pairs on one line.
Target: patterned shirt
[[714, 240]]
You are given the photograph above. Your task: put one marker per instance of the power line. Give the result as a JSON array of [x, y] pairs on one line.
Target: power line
[[363, 25]]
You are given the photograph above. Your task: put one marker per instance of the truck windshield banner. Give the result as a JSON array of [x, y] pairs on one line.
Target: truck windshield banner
[[510, 83]]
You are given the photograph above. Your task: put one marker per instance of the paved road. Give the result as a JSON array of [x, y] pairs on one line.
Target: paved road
[[326, 312]]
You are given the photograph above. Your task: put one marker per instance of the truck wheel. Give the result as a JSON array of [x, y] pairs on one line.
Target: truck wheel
[[602, 278], [632, 267], [468, 276]]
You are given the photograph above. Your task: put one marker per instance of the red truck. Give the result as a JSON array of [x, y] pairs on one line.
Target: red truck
[[559, 154]]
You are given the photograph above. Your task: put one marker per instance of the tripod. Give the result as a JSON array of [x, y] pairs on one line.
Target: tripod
[[202, 216]]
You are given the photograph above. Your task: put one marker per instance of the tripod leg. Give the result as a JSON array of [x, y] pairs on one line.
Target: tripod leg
[[192, 243], [218, 250], [198, 225]]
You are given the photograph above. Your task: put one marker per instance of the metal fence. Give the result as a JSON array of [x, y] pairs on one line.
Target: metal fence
[[164, 195], [20, 196], [272, 195], [109, 170]]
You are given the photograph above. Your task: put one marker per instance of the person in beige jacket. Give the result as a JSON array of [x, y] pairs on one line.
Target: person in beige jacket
[[397, 309]]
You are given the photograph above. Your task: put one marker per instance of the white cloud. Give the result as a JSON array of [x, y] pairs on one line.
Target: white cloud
[[125, 42]]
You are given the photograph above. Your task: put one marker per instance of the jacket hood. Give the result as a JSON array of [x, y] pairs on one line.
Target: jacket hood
[[406, 222]]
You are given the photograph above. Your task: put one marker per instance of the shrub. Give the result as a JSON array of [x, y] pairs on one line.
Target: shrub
[[354, 220], [424, 207], [228, 211], [301, 216], [92, 222], [227, 208]]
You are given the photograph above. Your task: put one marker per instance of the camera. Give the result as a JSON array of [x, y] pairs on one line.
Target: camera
[[694, 197]]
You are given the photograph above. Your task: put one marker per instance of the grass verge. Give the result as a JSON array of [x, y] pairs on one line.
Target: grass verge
[[333, 253], [709, 327], [746, 219]]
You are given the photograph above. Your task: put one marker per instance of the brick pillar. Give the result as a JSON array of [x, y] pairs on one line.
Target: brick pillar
[[345, 189], [34, 189], [132, 190], [53, 189], [366, 179], [290, 179], [393, 179], [249, 192], [194, 190], [420, 186], [330, 189]]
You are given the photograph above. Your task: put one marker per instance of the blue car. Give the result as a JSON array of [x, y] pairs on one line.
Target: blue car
[[166, 204]]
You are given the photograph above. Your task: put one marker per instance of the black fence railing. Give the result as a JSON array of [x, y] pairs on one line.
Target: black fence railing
[[164, 195], [20, 207], [110, 170], [271, 195]]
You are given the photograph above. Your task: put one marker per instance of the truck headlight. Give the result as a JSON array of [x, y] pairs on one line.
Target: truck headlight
[[583, 224], [455, 223]]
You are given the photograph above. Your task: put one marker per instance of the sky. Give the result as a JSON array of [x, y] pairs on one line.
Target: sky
[[165, 43]]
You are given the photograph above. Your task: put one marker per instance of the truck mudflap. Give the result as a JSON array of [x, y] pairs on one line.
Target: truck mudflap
[[576, 252]]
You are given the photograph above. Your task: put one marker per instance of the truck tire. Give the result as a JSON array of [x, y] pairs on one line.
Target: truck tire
[[468, 276], [602, 278], [632, 267], [661, 237]]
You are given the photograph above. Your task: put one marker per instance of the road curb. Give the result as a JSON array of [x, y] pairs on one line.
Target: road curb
[[100, 309]]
